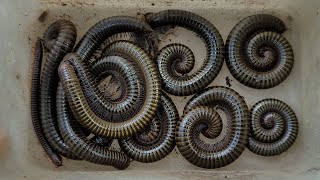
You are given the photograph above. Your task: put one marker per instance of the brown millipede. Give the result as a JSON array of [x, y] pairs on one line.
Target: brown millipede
[[79, 144], [98, 126]]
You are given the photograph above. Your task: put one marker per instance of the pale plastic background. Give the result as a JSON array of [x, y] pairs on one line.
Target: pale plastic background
[[24, 157]]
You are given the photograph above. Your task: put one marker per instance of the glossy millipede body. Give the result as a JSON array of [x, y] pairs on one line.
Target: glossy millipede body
[[132, 88], [175, 58], [214, 47], [200, 115], [79, 144], [35, 115], [139, 39], [274, 127], [91, 121], [257, 55], [106, 28], [158, 140], [63, 44]]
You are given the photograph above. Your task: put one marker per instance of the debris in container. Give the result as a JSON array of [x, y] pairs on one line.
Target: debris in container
[[113, 85]]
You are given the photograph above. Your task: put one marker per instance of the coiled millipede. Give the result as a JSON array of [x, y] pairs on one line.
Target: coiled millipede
[[172, 82], [274, 127], [257, 55], [200, 116], [83, 112], [158, 140]]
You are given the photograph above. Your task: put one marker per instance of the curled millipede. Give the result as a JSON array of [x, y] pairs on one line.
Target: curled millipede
[[158, 140], [132, 87], [274, 127], [200, 116], [35, 84], [106, 28], [212, 65], [82, 110], [82, 147], [175, 58], [62, 35], [257, 55]]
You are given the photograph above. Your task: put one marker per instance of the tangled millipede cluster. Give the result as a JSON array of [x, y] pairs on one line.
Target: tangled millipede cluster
[[76, 117]]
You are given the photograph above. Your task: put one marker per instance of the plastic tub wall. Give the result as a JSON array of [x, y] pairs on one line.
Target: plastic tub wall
[[22, 156]]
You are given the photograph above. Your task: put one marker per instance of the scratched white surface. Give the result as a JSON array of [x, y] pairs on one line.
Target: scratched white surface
[[18, 32]]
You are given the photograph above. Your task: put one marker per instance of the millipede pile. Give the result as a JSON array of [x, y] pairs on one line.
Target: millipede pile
[[110, 87]]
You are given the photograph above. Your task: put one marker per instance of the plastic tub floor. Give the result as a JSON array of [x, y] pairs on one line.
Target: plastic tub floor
[[23, 157]]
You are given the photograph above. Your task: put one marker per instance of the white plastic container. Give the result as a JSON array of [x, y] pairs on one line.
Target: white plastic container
[[23, 157]]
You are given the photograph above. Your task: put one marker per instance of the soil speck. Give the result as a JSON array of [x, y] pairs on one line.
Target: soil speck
[[228, 80], [152, 4], [18, 76], [43, 16]]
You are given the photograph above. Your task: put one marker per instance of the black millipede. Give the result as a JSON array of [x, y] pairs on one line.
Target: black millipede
[[140, 39], [175, 58], [214, 46], [132, 87], [106, 28], [200, 116], [79, 144], [63, 34], [274, 127], [35, 115], [257, 55], [98, 126], [158, 140]]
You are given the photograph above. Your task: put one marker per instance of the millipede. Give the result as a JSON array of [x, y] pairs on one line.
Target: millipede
[[274, 127], [59, 38], [35, 116], [188, 85], [91, 121], [79, 144], [158, 140], [200, 115], [105, 29], [257, 55]]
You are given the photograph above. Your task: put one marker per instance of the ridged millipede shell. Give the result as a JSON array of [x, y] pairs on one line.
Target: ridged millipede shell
[[92, 122], [200, 114], [257, 55], [274, 127], [158, 140], [62, 38], [79, 144], [34, 101], [183, 86]]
